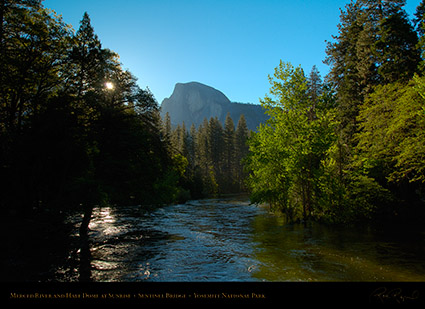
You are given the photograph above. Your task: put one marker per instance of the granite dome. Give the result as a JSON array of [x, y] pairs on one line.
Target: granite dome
[[192, 102]]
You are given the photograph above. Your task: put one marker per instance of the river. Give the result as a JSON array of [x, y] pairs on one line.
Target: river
[[229, 239]]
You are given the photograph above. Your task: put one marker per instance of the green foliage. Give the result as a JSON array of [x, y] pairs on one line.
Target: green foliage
[[169, 189], [397, 48], [296, 160], [65, 138], [376, 45], [214, 155], [345, 150], [391, 142], [355, 201], [377, 161], [288, 154]]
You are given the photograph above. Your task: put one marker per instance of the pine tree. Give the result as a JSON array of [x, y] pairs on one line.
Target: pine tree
[[396, 47], [229, 168], [419, 22], [176, 140], [66, 140], [87, 54], [184, 141], [420, 18], [375, 46], [202, 149], [216, 147], [315, 86], [166, 129], [343, 59], [241, 151], [192, 143]]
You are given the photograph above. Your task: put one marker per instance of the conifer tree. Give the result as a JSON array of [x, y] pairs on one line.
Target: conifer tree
[[419, 22], [216, 147], [166, 129], [241, 151], [229, 167], [192, 145], [202, 152], [315, 86], [376, 45], [87, 54], [396, 47]]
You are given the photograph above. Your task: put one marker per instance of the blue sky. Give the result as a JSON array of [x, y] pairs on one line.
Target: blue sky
[[230, 45]]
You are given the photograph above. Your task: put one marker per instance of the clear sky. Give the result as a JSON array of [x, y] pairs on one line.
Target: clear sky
[[231, 45]]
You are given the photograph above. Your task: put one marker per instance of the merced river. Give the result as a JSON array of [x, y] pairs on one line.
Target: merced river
[[229, 239]]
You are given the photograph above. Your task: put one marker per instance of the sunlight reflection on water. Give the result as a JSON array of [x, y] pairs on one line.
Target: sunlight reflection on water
[[231, 240]]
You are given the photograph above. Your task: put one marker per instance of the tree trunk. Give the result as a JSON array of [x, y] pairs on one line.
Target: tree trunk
[[85, 255]]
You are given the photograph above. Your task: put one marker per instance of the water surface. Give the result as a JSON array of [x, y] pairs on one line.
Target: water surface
[[229, 239]]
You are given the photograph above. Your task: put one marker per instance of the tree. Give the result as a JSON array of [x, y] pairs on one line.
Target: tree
[[391, 147], [215, 153], [192, 146], [229, 154], [34, 46], [89, 58], [287, 153], [396, 46], [410, 122], [166, 128], [315, 85], [294, 158], [342, 57], [376, 45], [241, 151], [8, 7], [419, 18], [202, 146], [87, 84], [34, 43], [214, 156], [67, 140]]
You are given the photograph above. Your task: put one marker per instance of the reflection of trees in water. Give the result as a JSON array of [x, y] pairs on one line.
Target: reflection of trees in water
[[112, 244], [211, 240], [315, 252], [85, 254]]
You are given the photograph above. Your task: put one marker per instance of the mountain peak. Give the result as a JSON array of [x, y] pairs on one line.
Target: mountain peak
[[196, 93], [193, 101]]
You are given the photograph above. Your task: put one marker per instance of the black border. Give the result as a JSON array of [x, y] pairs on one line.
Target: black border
[[300, 293]]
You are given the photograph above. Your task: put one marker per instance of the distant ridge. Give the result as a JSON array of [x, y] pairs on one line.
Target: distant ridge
[[192, 102]]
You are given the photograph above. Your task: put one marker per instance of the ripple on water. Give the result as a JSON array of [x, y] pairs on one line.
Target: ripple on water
[[231, 240]]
